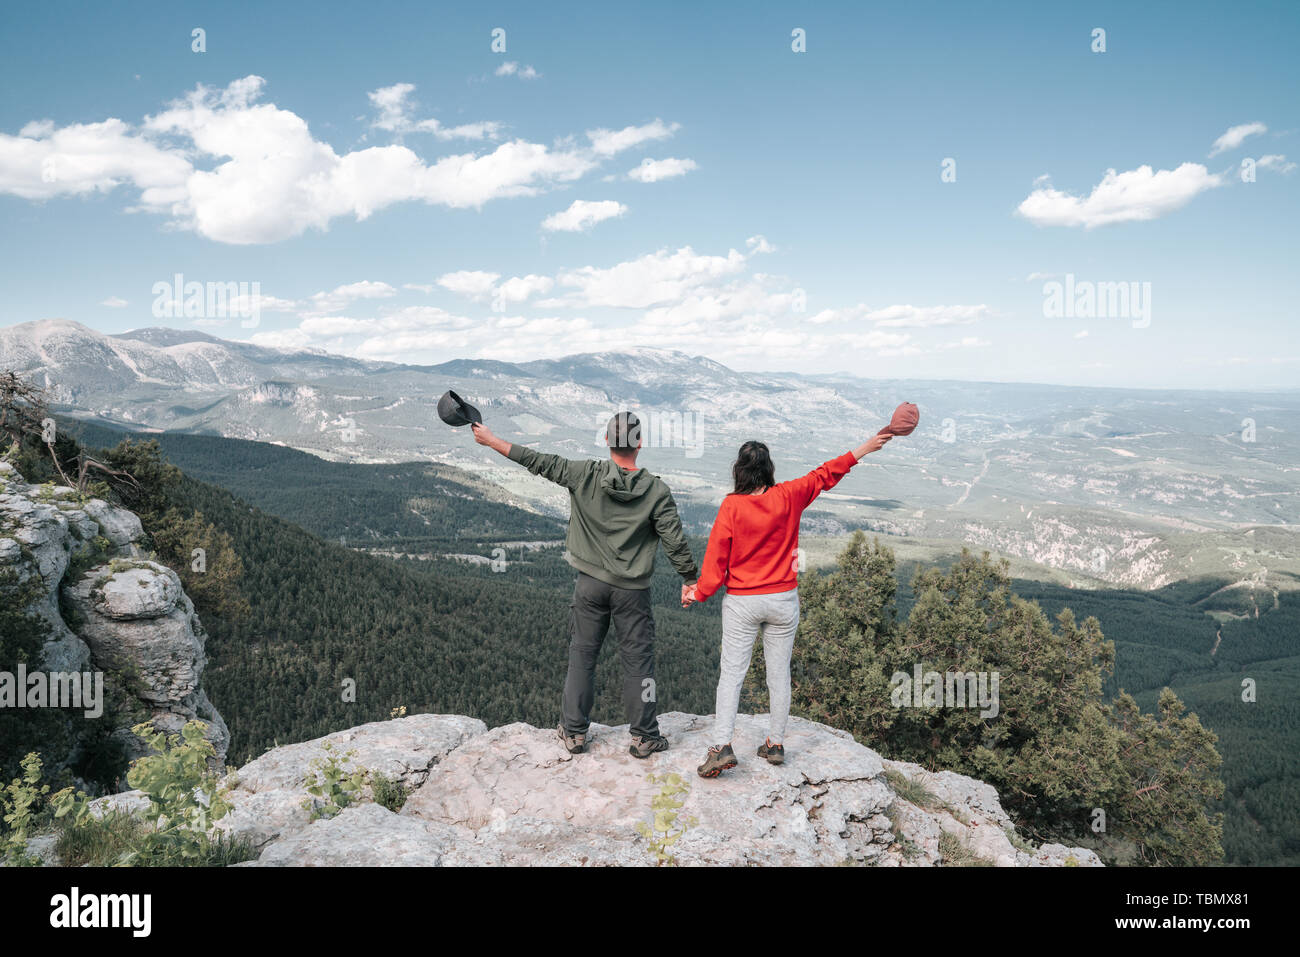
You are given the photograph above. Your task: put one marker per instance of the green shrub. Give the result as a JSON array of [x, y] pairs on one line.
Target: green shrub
[[185, 798], [22, 800], [954, 853], [389, 792], [99, 841], [667, 825], [1056, 747], [333, 786]]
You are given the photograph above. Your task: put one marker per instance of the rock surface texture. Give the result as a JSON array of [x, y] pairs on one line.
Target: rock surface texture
[[513, 796], [109, 608]]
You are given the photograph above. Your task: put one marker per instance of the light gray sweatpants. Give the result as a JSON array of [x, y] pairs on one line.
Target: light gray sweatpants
[[743, 617]]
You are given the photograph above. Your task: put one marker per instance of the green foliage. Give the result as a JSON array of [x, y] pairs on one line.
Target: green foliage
[[953, 852], [212, 578], [86, 557], [667, 825], [102, 841], [332, 785], [154, 480], [1056, 749], [22, 800], [910, 790], [1171, 761], [185, 796], [405, 505], [22, 633], [388, 792]]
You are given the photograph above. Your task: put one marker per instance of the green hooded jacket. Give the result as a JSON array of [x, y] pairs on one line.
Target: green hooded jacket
[[617, 518]]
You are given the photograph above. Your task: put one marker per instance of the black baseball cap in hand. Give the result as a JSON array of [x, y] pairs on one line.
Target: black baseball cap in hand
[[455, 411]]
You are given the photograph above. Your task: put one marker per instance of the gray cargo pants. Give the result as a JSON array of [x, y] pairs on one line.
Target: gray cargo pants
[[594, 604]]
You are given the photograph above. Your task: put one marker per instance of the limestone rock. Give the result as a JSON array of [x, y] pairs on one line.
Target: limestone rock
[[127, 615], [267, 794], [811, 810], [513, 796], [1058, 855], [365, 835]]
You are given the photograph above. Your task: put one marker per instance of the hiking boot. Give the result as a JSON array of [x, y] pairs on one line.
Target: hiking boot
[[573, 743], [720, 758], [644, 747], [775, 753]]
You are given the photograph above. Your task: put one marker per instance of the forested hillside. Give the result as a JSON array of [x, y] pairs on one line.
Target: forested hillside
[[1168, 638], [451, 636], [407, 505]]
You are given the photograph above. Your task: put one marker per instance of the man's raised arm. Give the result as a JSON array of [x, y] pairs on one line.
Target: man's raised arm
[[554, 468]]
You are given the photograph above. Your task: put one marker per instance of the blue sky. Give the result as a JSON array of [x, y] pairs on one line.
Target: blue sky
[[398, 191]]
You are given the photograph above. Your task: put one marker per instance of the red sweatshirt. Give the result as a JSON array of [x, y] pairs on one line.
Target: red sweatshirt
[[753, 544]]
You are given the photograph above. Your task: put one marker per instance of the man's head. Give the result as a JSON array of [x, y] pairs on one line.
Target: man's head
[[623, 435]]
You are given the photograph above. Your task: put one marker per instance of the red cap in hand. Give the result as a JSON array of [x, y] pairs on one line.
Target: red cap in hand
[[904, 421]]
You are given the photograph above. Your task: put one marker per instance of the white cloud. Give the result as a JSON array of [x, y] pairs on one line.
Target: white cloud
[[582, 215], [473, 284], [521, 288], [251, 304], [651, 280], [652, 170], [668, 299], [114, 302], [42, 162], [1275, 161], [608, 142], [480, 286], [424, 334], [904, 316], [965, 342], [688, 299], [511, 68], [700, 311], [1135, 195], [341, 297], [1234, 137], [236, 170], [277, 181], [395, 114]]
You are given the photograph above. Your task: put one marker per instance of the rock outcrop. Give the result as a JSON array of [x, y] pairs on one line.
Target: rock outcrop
[[109, 607], [513, 796]]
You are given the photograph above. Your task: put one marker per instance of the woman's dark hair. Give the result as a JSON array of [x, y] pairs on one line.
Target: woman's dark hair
[[753, 469]]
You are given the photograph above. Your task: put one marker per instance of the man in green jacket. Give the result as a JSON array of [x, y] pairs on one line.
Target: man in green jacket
[[618, 515]]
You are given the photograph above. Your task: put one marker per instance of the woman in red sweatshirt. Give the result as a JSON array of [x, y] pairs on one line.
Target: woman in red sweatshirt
[[753, 551]]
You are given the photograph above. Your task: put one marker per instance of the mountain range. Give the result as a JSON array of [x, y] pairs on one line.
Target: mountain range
[[1135, 488]]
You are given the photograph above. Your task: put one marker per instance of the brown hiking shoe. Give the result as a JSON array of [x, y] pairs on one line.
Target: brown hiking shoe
[[573, 743], [644, 747], [775, 753], [720, 758]]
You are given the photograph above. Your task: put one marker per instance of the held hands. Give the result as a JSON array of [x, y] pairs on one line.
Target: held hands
[[688, 594]]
